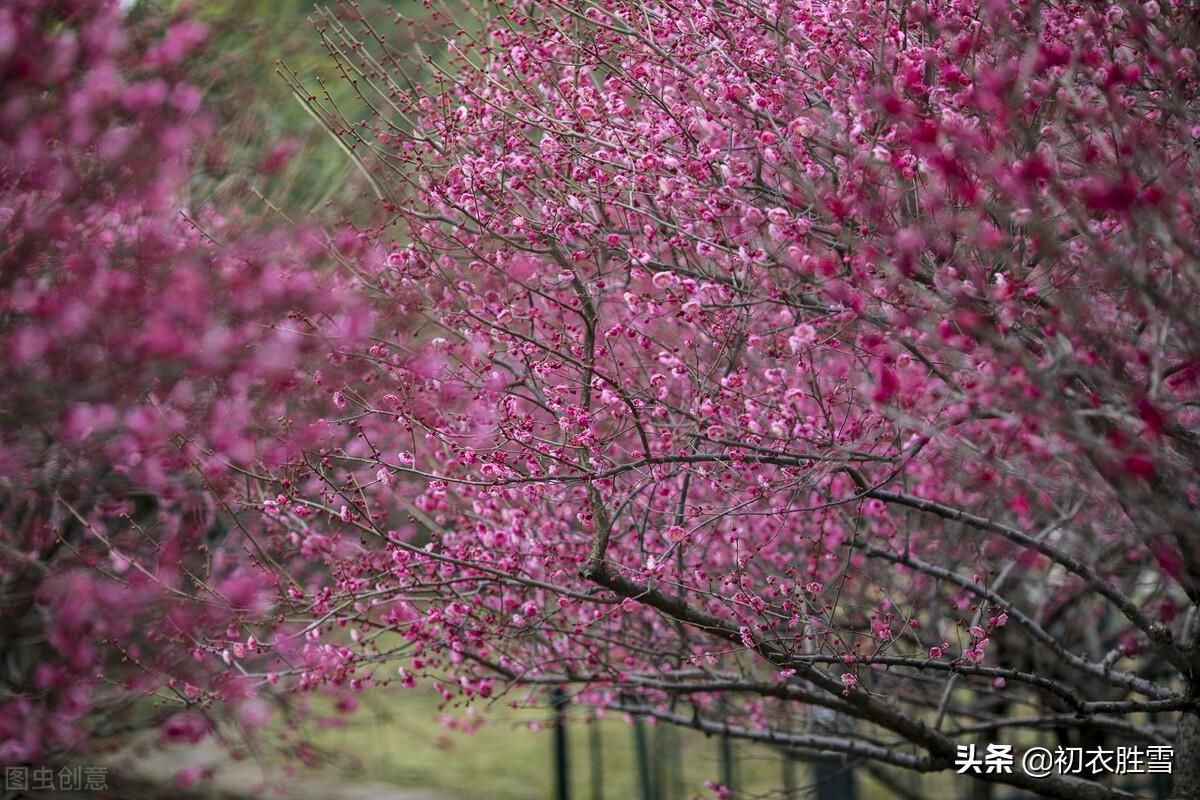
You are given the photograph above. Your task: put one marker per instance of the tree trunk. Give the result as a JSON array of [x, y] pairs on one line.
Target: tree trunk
[[1186, 778]]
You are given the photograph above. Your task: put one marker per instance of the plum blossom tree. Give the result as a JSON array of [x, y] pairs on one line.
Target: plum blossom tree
[[817, 373], [144, 355], [752, 361]]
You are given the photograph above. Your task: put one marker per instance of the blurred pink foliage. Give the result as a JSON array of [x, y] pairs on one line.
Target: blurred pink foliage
[[141, 364]]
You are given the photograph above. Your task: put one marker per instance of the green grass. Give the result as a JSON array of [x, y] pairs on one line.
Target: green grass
[[399, 739], [396, 738]]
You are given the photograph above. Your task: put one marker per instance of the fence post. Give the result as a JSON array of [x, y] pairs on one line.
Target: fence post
[[558, 700], [667, 780], [728, 769], [835, 781], [643, 757], [674, 789], [658, 767], [791, 790], [596, 759]]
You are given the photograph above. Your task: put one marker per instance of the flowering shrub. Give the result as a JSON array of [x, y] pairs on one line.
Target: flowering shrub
[[143, 363], [803, 356], [731, 364]]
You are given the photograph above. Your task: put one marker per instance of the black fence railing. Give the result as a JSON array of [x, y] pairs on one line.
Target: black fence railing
[[659, 773]]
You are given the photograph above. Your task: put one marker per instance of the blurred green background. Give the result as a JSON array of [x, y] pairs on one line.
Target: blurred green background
[[266, 142], [402, 739]]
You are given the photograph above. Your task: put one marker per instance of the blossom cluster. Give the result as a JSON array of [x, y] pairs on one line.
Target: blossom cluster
[[148, 355], [845, 340]]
